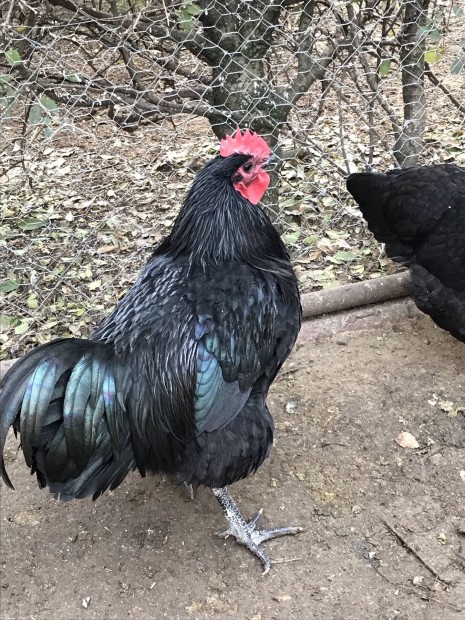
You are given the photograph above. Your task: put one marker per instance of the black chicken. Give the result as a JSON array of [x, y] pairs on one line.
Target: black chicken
[[175, 379], [419, 213]]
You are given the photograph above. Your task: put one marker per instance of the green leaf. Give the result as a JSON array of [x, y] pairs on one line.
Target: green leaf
[[32, 301], [22, 328], [430, 31], [335, 235], [31, 223], [433, 56], [310, 240], [48, 103], [36, 115], [435, 35], [291, 237], [384, 67], [192, 9], [458, 66], [12, 57], [345, 256], [187, 12], [7, 286], [6, 103], [73, 77], [186, 20], [5, 322]]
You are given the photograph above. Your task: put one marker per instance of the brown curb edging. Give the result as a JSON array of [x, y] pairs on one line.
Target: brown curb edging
[[374, 316], [354, 295]]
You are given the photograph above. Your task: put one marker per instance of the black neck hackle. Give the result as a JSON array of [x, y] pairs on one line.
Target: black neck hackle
[[216, 224]]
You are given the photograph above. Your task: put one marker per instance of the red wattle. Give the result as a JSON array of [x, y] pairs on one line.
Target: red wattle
[[255, 190]]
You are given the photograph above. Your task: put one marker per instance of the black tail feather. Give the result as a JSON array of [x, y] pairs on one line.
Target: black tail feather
[[75, 435]]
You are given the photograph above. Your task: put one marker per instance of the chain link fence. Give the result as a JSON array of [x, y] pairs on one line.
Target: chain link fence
[[108, 109]]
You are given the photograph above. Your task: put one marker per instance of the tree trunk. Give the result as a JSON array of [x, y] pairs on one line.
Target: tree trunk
[[409, 145]]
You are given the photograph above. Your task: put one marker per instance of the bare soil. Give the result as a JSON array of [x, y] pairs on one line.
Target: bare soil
[[145, 551]]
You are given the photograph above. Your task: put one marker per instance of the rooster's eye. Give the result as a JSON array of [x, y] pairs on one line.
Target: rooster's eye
[[247, 167]]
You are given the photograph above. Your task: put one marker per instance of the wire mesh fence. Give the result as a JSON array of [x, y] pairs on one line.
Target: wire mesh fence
[[108, 109]]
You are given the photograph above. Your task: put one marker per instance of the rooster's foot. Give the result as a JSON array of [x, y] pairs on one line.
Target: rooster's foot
[[246, 533]]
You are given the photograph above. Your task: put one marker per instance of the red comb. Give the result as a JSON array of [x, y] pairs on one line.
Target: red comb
[[247, 143]]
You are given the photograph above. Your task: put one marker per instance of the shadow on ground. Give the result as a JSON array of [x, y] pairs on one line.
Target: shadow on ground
[[145, 551]]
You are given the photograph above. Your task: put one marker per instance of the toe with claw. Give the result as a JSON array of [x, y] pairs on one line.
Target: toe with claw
[[247, 533]]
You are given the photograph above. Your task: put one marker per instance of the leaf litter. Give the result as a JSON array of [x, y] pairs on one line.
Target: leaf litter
[[82, 213]]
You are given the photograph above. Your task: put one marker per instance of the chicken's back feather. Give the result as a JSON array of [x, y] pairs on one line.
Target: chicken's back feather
[[419, 213]]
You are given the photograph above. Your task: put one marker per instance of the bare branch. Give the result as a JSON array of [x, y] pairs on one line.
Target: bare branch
[[369, 74], [309, 69], [434, 80], [196, 44], [173, 65]]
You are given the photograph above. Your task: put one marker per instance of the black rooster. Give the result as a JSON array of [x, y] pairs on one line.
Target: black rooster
[[175, 379], [419, 213]]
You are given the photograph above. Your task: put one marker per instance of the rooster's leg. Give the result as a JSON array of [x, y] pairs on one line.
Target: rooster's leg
[[189, 489], [246, 533]]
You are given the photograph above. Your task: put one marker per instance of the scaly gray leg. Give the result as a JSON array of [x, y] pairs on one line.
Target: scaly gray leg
[[245, 533], [189, 489]]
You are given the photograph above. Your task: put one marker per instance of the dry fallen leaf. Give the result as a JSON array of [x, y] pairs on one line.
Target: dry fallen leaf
[[193, 608], [25, 518], [104, 249], [407, 440], [450, 408]]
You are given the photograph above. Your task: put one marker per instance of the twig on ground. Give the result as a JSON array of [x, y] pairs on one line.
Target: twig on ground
[[416, 591], [289, 371], [285, 560], [428, 604], [413, 551]]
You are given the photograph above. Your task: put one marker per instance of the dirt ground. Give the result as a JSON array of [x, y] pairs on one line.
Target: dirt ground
[[145, 551]]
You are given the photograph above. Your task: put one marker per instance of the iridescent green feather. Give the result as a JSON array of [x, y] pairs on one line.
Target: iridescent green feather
[[77, 395], [39, 391]]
